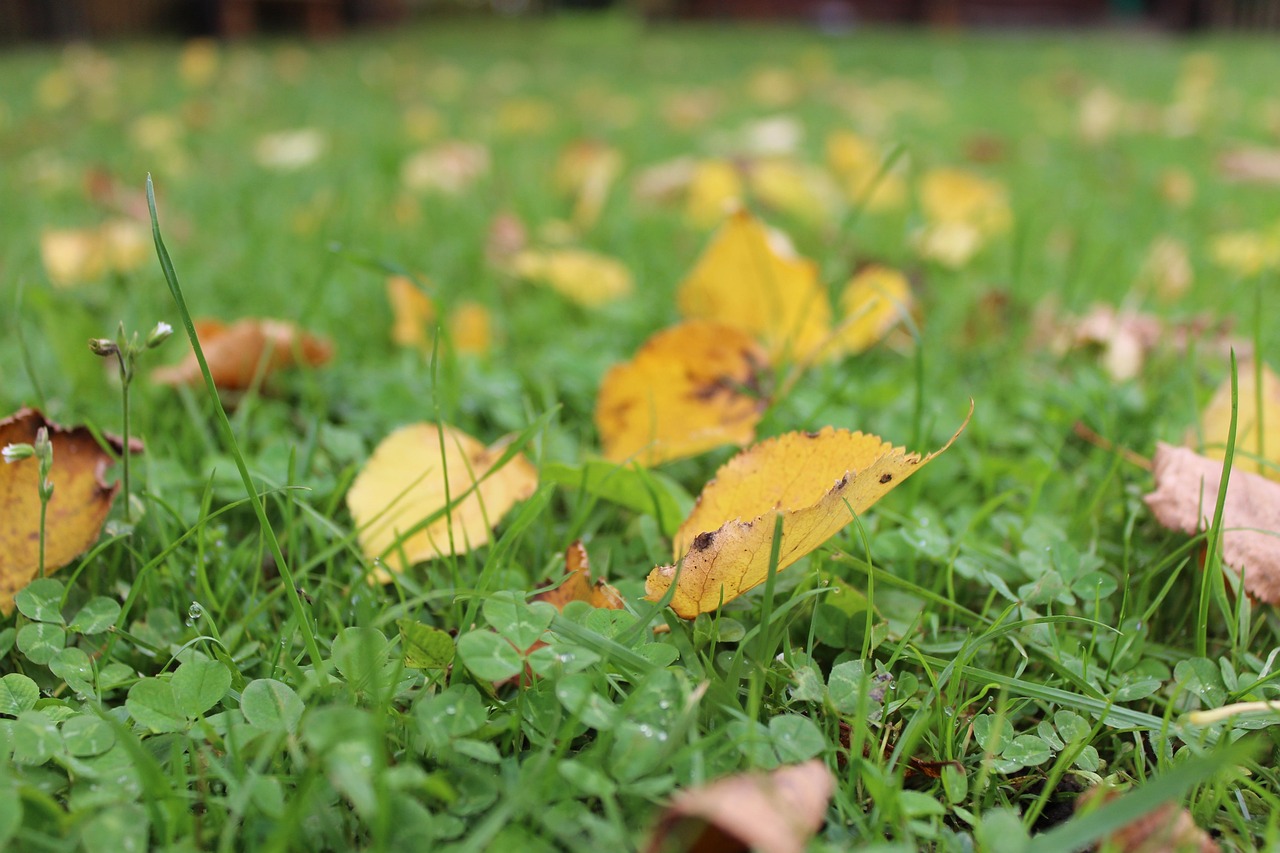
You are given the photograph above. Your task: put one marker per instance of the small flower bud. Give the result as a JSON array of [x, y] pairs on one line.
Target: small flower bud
[[159, 335], [43, 446], [104, 347], [17, 452]]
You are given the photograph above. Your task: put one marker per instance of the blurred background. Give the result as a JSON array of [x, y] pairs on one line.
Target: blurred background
[[27, 20]]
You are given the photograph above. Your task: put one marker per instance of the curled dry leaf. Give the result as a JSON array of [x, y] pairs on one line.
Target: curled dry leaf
[[690, 388], [1186, 496], [588, 278], [749, 278], [80, 503], [459, 494], [774, 812], [577, 585], [1166, 829], [1257, 451], [239, 352], [815, 482]]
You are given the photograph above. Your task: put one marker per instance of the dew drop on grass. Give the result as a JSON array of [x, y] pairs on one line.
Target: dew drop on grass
[[194, 612], [450, 711]]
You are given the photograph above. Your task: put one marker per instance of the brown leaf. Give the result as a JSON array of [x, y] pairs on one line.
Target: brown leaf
[[775, 812], [1185, 498], [578, 586], [238, 352], [1167, 829], [80, 503]]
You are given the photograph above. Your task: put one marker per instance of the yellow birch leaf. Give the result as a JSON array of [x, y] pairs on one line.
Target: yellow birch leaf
[[873, 302], [794, 189], [746, 280], [77, 510], [1257, 451], [412, 312], [689, 388], [72, 255], [815, 482], [588, 278], [960, 196], [714, 189], [406, 481]]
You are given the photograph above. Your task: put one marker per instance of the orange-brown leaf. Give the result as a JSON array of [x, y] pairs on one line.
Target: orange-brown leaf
[[577, 585], [81, 500], [237, 353], [690, 388]]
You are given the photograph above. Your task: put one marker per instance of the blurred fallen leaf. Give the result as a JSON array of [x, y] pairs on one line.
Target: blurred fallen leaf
[[816, 482], [1167, 269], [412, 477], [962, 211], [199, 62], [689, 388], [774, 812], [1177, 187], [1185, 499], [77, 510], [470, 328], [74, 256], [875, 300], [1251, 165], [450, 167], [507, 237], [289, 150], [860, 167], [412, 312], [1168, 828], [588, 278], [585, 171], [524, 116], [1256, 452], [715, 188], [666, 182], [749, 277], [238, 352], [577, 585], [1249, 252], [793, 188]]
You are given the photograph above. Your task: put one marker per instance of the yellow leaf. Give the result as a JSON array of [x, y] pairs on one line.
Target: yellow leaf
[[1247, 253], [814, 482], [408, 480], [412, 312], [470, 328], [690, 388], [449, 168], [76, 511], [873, 302], [239, 352], [72, 255], [746, 280], [960, 196], [1257, 451], [858, 165], [588, 278], [714, 189], [586, 171], [794, 189]]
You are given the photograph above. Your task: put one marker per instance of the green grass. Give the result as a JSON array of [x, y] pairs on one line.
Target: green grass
[[220, 678]]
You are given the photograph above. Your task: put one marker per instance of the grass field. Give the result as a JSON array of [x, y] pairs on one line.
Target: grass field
[[1035, 631]]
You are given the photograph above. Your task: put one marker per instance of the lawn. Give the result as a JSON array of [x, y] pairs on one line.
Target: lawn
[[1008, 630]]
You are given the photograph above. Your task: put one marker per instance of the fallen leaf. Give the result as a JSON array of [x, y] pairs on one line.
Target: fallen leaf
[[577, 585], [77, 510], [1251, 165], [668, 182], [714, 189], [860, 167], [774, 812], [1168, 828], [586, 171], [588, 278], [412, 312], [289, 150], [793, 188], [875, 300], [409, 480], [507, 237], [815, 482], [525, 117], [470, 328], [199, 62], [749, 278], [688, 389], [72, 255], [238, 352], [450, 167], [961, 196], [1257, 452], [1167, 269], [1247, 253], [1177, 187], [1186, 496]]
